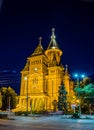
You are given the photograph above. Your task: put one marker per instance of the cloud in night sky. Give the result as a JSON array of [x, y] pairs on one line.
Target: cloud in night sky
[[89, 1], [1, 2]]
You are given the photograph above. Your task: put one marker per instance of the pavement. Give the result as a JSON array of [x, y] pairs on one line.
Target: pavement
[[52, 122], [34, 117]]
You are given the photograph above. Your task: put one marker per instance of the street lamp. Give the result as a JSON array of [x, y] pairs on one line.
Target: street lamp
[[78, 76], [26, 79], [9, 105]]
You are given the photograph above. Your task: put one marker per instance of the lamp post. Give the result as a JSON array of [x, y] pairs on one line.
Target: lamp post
[[9, 104], [26, 79], [78, 85]]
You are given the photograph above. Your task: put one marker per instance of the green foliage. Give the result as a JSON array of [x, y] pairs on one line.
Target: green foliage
[[0, 100], [19, 113], [88, 89], [62, 99], [86, 81], [8, 95], [85, 90], [75, 115], [3, 116]]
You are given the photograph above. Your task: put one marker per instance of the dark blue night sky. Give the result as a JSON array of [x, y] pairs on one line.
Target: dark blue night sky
[[22, 22]]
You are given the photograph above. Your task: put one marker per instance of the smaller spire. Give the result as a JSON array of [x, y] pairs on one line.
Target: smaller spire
[[39, 50], [53, 33], [40, 40], [66, 70]]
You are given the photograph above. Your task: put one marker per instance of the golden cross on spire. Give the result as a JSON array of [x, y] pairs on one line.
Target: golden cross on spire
[[53, 33], [53, 30], [40, 40], [66, 67]]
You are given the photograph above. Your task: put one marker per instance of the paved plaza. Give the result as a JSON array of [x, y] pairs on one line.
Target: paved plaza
[[46, 123]]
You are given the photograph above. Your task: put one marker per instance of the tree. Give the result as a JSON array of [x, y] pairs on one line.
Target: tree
[[86, 92], [86, 81], [62, 99], [8, 96], [0, 100], [78, 89]]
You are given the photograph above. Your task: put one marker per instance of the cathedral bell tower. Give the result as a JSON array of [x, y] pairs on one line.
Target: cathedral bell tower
[[53, 52], [55, 70]]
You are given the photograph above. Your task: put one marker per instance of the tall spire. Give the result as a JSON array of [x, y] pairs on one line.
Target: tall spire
[[53, 52], [53, 44]]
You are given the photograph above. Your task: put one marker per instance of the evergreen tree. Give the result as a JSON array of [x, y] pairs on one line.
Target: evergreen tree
[[62, 99]]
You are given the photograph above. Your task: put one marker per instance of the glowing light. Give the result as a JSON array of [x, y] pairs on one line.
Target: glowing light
[[82, 75], [25, 78], [77, 101], [53, 47], [76, 75], [35, 69]]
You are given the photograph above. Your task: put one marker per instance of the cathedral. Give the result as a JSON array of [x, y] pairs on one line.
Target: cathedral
[[42, 76]]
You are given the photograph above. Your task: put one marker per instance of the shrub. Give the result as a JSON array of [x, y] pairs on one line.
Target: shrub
[[19, 113], [3, 116], [75, 115]]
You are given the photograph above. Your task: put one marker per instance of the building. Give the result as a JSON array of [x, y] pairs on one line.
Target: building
[[42, 76]]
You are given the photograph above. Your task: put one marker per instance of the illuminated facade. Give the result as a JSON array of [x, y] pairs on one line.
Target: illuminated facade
[[42, 77]]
